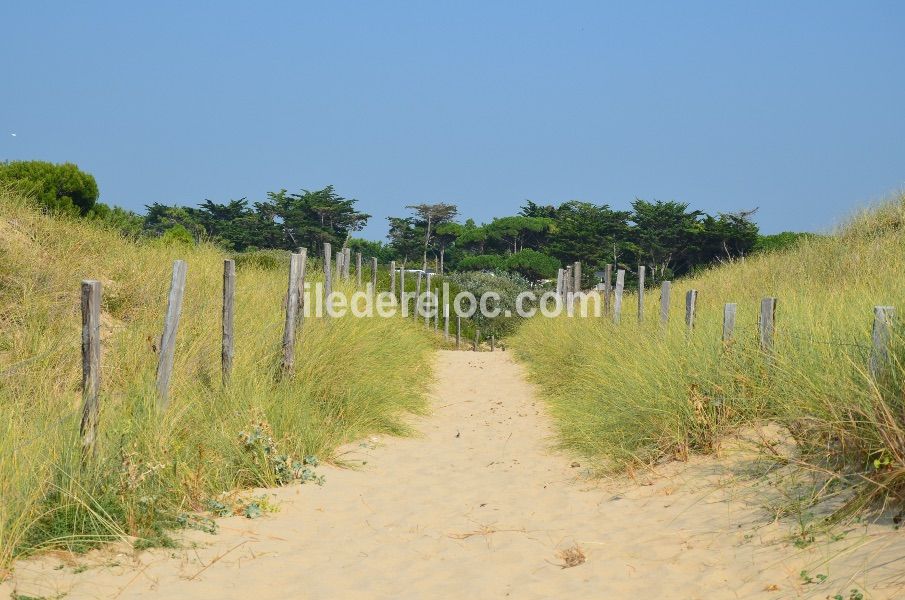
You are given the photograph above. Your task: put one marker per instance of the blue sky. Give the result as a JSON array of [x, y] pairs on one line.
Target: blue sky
[[794, 107]]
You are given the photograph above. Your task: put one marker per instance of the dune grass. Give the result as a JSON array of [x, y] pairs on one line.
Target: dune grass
[[353, 377], [633, 394]]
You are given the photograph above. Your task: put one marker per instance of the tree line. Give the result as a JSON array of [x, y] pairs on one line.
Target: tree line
[[669, 237]]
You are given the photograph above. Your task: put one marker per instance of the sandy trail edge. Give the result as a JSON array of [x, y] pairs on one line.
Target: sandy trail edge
[[478, 507]]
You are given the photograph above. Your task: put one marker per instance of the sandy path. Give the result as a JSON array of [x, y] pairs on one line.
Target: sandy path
[[476, 507]]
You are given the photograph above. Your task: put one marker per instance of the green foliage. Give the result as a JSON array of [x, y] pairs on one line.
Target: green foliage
[[482, 262], [177, 235], [507, 286], [532, 265], [57, 187]]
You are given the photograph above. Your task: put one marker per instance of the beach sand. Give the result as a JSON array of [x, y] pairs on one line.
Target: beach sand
[[478, 506]]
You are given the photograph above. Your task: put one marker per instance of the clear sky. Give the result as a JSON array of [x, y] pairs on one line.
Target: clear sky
[[794, 107]]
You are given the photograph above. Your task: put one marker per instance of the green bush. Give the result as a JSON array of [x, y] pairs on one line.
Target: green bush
[[58, 187]]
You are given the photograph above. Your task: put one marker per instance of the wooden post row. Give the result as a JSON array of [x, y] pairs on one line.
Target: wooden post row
[[303, 269], [347, 262], [374, 276], [328, 277], [608, 289], [641, 270], [227, 321], [665, 292], [91, 365], [729, 311], [168, 339], [393, 278], [881, 335], [292, 306], [617, 305], [691, 302], [767, 323], [358, 269]]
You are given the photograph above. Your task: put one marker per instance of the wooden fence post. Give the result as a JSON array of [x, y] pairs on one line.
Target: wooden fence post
[[418, 294], [374, 276], [767, 323], [608, 289], [228, 321], [665, 291], [492, 342], [292, 306], [691, 303], [358, 269], [641, 270], [347, 262], [339, 264], [393, 278], [567, 283], [168, 339], [303, 269], [446, 322], [880, 338], [617, 304], [458, 333], [560, 273], [437, 314], [91, 365], [328, 278], [402, 288], [576, 271], [728, 322], [477, 339], [427, 312]]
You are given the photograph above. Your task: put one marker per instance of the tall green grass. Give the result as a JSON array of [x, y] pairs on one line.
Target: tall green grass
[[353, 377], [635, 393]]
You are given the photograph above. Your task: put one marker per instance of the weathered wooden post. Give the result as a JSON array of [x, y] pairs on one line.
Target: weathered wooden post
[[292, 306], [168, 339], [446, 322], [567, 283], [477, 339], [617, 304], [665, 292], [91, 365], [328, 278], [691, 301], [228, 321], [303, 268], [402, 289], [458, 333], [393, 278], [427, 305], [374, 276], [767, 324], [347, 262], [358, 269], [418, 293], [437, 314], [881, 335], [560, 275], [576, 271], [728, 322], [608, 289], [641, 270], [340, 255], [492, 342]]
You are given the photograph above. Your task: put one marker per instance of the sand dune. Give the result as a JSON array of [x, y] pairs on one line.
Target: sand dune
[[478, 506]]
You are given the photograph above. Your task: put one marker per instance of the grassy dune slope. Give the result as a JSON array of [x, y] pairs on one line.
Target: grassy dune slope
[[353, 377], [632, 394]]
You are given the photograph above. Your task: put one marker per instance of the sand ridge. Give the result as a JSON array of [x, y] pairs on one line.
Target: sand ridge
[[476, 506]]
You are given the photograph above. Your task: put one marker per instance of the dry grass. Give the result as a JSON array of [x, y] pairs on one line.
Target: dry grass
[[636, 394], [353, 377]]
